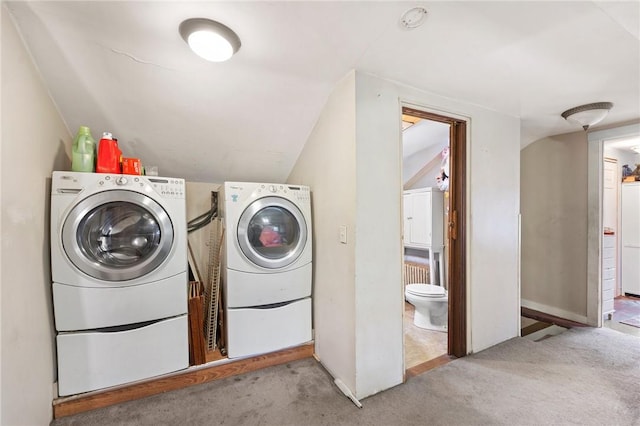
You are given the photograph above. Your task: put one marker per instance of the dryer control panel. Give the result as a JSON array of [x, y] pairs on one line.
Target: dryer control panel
[[300, 192], [297, 192]]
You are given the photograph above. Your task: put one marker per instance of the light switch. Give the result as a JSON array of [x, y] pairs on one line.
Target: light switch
[[343, 234]]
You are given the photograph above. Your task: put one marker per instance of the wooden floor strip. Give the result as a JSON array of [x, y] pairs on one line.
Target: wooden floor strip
[[192, 376], [536, 326], [551, 319], [429, 365]]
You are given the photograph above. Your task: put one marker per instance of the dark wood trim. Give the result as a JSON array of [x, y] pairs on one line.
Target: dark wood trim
[[457, 235], [193, 376], [536, 326], [428, 115], [551, 319], [458, 239], [428, 365]]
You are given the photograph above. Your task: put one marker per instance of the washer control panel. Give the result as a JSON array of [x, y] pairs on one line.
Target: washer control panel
[[71, 183], [168, 187]]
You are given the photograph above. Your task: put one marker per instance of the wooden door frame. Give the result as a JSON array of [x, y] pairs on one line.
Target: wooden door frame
[[457, 235]]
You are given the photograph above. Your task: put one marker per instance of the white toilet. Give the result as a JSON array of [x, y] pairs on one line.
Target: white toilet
[[431, 303]]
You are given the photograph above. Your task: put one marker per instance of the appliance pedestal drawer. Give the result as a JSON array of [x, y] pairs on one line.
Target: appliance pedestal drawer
[[96, 359], [258, 330]]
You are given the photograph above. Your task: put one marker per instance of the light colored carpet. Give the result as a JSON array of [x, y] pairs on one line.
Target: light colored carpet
[[583, 376]]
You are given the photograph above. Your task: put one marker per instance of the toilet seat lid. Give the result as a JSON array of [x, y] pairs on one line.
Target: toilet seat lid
[[426, 290]]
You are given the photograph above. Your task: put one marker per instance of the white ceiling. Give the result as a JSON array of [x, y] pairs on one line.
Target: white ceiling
[[122, 67]]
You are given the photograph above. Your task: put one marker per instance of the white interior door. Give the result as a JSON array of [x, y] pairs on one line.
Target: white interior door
[[630, 236]]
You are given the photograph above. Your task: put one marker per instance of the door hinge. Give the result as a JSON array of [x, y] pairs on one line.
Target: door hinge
[[453, 225]]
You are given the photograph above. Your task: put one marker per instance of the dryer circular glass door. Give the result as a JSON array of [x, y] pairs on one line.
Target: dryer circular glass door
[[272, 232], [117, 235]]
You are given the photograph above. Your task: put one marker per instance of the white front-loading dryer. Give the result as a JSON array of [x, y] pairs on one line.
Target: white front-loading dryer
[[267, 266], [268, 244], [119, 269]]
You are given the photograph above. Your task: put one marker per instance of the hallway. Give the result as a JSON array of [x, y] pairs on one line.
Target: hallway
[[627, 311]]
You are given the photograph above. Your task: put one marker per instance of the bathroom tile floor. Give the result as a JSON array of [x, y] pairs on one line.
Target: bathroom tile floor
[[420, 345]]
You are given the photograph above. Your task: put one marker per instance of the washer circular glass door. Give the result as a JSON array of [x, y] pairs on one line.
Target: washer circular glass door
[[272, 232], [117, 235]]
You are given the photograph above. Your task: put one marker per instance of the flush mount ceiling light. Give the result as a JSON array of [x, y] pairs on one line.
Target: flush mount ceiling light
[[588, 115], [209, 39], [413, 17]]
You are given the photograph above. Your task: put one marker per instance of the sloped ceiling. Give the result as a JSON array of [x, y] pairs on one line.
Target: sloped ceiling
[[122, 67]]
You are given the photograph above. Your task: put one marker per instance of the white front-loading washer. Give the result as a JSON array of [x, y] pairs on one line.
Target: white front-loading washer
[[267, 266], [119, 269]]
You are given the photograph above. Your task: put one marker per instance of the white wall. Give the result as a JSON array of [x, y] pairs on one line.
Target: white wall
[[493, 178], [623, 156], [327, 165], [35, 142], [493, 184], [417, 161], [352, 163], [379, 291]]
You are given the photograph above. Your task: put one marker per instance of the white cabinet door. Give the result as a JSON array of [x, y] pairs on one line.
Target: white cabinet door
[[407, 209], [420, 227], [423, 218]]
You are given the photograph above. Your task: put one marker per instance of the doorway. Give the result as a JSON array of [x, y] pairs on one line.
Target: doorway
[[599, 146], [435, 165], [620, 212]]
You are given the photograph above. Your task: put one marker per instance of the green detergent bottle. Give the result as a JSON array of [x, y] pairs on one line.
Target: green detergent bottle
[[83, 151]]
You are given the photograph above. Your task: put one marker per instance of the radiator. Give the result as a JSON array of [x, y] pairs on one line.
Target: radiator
[[415, 273]]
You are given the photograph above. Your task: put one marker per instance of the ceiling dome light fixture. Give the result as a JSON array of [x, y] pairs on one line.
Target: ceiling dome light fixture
[[588, 115], [209, 39]]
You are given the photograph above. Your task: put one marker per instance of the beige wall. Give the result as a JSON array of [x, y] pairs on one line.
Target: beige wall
[[554, 225], [35, 142], [198, 201], [327, 165]]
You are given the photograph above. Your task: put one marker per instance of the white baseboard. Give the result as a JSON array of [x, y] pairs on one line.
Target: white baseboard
[[551, 310]]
